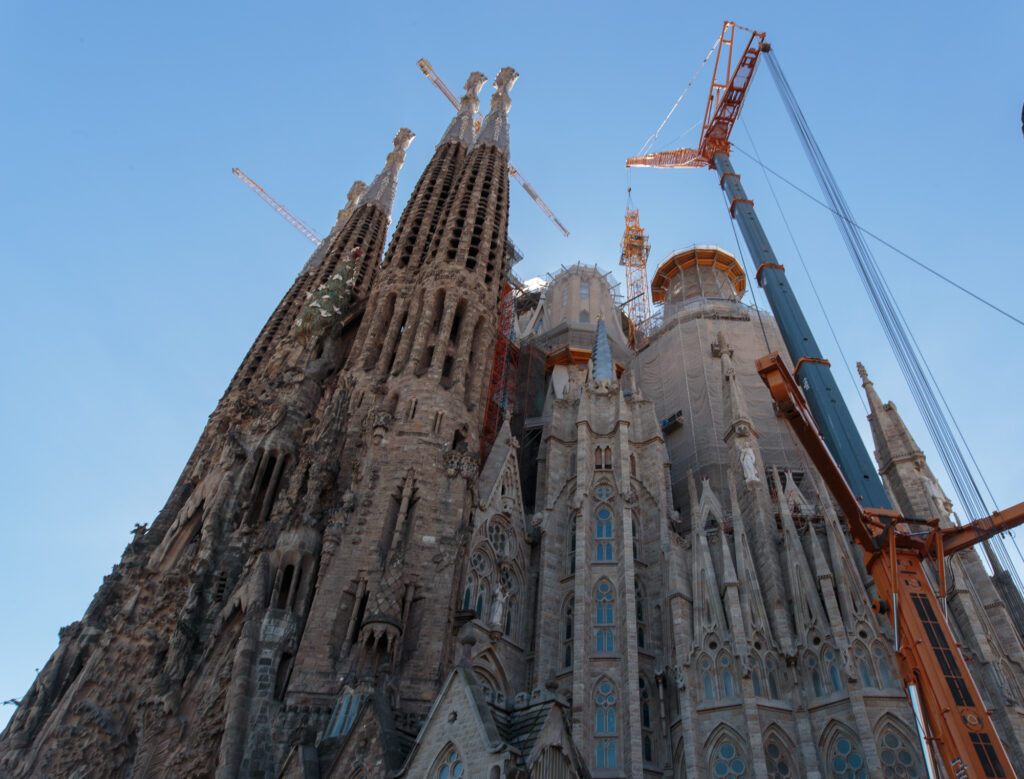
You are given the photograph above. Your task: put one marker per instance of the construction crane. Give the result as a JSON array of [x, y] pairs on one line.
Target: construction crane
[[428, 70], [293, 220], [636, 248], [931, 665]]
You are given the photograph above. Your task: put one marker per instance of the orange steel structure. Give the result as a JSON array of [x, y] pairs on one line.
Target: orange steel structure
[[503, 371], [895, 548], [723, 107], [294, 221], [428, 70], [636, 248]]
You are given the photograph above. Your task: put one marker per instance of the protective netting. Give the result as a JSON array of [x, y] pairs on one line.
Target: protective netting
[[679, 373]]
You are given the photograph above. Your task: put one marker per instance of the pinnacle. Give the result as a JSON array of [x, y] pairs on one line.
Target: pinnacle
[[460, 129], [494, 131], [382, 190]]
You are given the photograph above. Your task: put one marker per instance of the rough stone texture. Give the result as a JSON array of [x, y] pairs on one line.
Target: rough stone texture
[[337, 587]]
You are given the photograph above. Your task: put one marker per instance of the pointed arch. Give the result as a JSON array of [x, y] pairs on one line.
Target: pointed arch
[[606, 729], [489, 670], [649, 724], [604, 533], [706, 668], [570, 546], [725, 670], [780, 754], [898, 748], [842, 752], [448, 763], [726, 753], [887, 674], [861, 659]]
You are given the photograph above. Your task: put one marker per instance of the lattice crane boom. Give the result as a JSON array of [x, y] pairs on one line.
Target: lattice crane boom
[[293, 220], [636, 248], [428, 70], [725, 99]]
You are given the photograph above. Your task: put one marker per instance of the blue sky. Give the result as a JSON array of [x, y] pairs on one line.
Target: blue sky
[[137, 269]]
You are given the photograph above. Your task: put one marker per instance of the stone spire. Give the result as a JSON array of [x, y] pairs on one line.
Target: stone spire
[[602, 354], [494, 131], [735, 413], [892, 438], [354, 193], [460, 130], [382, 191]]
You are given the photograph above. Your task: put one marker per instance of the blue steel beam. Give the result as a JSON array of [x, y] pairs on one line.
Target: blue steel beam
[[815, 377]]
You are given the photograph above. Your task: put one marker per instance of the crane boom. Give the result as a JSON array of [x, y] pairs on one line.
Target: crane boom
[[725, 99], [428, 70], [293, 220], [894, 549]]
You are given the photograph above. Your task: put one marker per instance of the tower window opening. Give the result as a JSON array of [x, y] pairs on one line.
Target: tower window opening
[[584, 289], [567, 632], [604, 618], [605, 729], [286, 585], [604, 550]]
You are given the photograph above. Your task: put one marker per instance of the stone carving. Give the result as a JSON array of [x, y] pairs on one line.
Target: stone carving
[[748, 460]]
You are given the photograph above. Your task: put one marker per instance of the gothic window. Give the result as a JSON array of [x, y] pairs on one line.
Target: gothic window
[[450, 765], [845, 760], [728, 690], [509, 583], [343, 716], [605, 730], [570, 547], [816, 683], [509, 616], [867, 679], [604, 618], [833, 671], [499, 538], [584, 317], [756, 679], [603, 535], [777, 759], [897, 758], [467, 595], [727, 762], [604, 492], [607, 458], [882, 663], [707, 681], [773, 681], [598, 459], [567, 628], [632, 465], [645, 721], [641, 627], [636, 542], [481, 599], [584, 289]]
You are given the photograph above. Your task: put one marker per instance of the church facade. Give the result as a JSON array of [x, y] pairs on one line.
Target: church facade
[[641, 575]]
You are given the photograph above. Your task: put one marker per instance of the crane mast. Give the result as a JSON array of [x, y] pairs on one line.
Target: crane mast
[[636, 248], [894, 547]]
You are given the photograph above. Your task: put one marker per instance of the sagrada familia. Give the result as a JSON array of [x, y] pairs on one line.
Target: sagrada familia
[[641, 575]]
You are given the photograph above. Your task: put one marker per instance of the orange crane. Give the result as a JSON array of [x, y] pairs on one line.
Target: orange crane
[[931, 665], [294, 221], [428, 70], [636, 248], [894, 549]]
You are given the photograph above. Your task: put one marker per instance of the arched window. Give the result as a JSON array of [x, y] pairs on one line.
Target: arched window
[[567, 628], [604, 604], [584, 317], [727, 761], [756, 679], [845, 760], [641, 626], [773, 681], [632, 465], [475, 595], [636, 541], [605, 731], [603, 551], [777, 759], [607, 458], [833, 671], [819, 687], [898, 760], [882, 662], [727, 686], [598, 459], [645, 721], [451, 765], [707, 680], [481, 599], [570, 547], [468, 593]]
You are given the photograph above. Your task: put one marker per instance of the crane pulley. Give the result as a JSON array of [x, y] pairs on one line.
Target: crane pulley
[[428, 70]]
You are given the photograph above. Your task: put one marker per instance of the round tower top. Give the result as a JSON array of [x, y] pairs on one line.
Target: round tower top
[[698, 271]]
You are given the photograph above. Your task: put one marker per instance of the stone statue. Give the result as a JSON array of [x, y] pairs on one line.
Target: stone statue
[[499, 607], [749, 462]]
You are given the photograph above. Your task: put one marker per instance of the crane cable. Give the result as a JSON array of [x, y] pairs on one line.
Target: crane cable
[[653, 138], [913, 365]]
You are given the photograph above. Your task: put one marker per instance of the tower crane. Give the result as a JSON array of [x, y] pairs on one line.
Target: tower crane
[[895, 547], [428, 70], [636, 248], [293, 220]]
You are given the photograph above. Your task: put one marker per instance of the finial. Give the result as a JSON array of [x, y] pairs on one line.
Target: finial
[[602, 354], [863, 372], [494, 131], [460, 129], [382, 190]]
